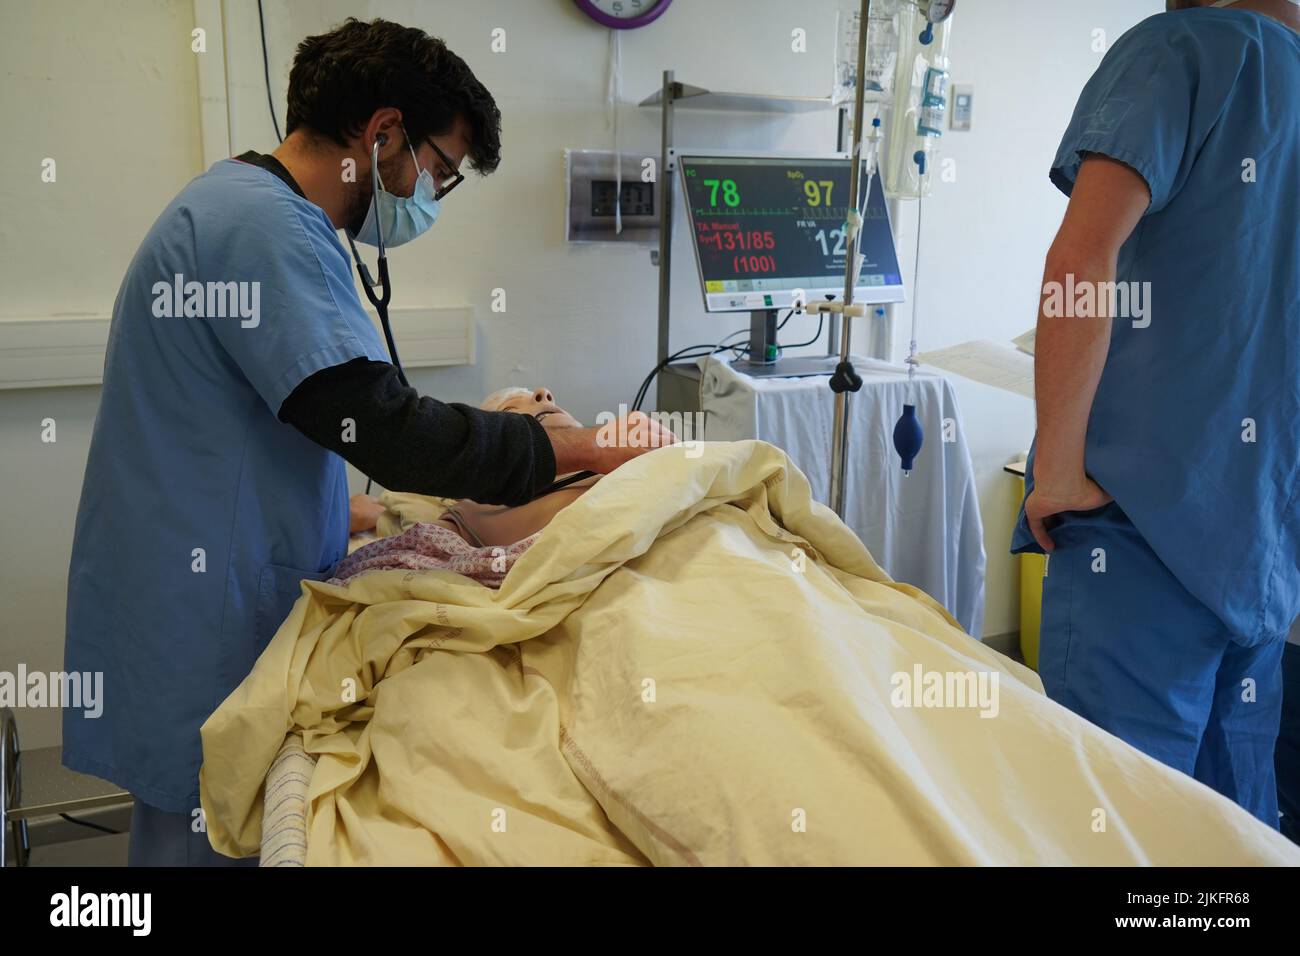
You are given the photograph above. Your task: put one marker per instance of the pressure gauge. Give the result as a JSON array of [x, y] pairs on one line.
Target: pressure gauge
[[936, 11]]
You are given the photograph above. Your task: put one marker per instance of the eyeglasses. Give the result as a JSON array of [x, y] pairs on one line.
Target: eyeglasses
[[453, 178]]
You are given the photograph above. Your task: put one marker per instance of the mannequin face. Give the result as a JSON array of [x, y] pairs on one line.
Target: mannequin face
[[541, 405]]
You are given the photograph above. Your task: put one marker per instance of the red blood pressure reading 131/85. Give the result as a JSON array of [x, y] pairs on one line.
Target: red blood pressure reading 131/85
[[750, 245]]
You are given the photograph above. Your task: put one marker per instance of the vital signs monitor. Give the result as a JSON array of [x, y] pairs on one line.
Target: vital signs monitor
[[768, 230]]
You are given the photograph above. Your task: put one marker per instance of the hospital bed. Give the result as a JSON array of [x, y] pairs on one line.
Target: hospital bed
[[284, 813], [54, 791], [694, 665]]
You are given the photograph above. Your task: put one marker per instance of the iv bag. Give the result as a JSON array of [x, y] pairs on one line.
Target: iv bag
[[882, 53], [919, 113]]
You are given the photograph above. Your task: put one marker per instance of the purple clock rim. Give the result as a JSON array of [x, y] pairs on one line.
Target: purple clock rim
[[623, 23]]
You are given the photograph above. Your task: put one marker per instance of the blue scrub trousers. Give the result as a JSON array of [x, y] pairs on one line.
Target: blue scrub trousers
[[1124, 645], [1287, 758], [162, 838]]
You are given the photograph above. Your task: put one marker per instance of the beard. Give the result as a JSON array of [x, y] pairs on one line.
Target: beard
[[391, 174], [358, 206]]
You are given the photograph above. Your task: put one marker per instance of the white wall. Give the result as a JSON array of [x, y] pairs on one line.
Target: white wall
[[581, 319], [109, 89]]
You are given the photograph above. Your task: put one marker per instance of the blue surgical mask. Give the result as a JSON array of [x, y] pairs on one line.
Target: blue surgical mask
[[403, 218]]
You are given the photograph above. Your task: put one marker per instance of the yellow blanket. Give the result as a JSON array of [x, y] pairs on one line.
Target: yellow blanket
[[695, 664]]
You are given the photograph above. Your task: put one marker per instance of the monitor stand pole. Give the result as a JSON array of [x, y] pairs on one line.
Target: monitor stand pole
[[762, 337], [763, 352]]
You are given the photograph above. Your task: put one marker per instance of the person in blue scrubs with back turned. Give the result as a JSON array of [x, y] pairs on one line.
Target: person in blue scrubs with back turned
[[241, 371], [1163, 478]]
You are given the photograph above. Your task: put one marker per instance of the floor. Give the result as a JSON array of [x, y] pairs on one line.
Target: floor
[[97, 851]]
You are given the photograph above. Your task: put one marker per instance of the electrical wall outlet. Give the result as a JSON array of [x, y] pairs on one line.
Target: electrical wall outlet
[[963, 101]]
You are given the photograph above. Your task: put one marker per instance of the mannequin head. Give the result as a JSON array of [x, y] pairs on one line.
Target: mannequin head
[[538, 402]]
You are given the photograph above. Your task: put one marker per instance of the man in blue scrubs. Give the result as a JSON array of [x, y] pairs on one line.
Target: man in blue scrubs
[[1164, 472], [241, 372]]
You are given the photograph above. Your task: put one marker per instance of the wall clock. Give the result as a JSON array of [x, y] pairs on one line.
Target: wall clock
[[623, 14]]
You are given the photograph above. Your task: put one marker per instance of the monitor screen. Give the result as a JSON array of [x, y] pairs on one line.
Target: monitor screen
[[768, 230]]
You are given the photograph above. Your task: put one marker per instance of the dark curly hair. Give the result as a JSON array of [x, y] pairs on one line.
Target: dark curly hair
[[340, 78]]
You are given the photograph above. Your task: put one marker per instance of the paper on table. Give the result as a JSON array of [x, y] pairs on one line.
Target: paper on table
[[986, 362], [1025, 342]]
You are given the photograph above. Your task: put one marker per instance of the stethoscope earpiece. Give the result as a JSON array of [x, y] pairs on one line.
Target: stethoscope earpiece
[[382, 139]]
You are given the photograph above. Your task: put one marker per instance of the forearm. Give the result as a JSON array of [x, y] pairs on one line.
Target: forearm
[[408, 442], [1108, 201], [1069, 355]]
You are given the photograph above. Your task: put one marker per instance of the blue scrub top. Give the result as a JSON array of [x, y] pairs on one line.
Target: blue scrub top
[[201, 512], [1195, 429]]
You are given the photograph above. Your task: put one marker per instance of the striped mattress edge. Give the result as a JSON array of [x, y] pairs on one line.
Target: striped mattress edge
[[284, 808]]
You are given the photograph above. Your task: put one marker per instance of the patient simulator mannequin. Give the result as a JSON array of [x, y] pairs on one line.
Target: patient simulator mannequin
[[496, 525], [491, 537]]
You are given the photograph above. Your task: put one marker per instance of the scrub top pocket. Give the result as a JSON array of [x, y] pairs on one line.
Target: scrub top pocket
[[278, 587]]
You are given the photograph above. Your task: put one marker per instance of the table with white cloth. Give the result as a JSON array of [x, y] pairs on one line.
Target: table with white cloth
[[924, 528]]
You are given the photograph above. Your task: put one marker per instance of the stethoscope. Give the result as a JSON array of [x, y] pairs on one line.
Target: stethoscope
[[380, 302]]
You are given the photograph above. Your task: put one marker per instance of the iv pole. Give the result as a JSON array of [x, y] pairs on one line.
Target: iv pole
[[846, 380]]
